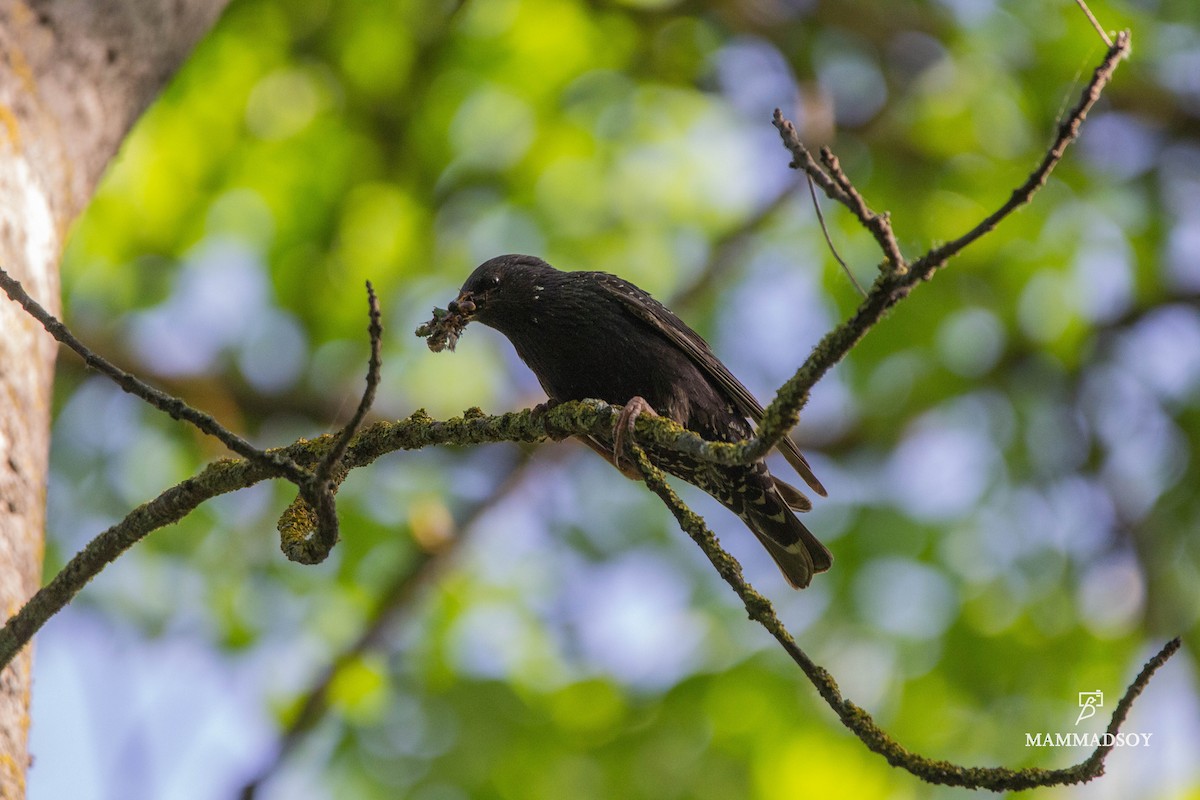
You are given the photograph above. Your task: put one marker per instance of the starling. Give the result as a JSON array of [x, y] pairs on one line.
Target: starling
[[591, 335]]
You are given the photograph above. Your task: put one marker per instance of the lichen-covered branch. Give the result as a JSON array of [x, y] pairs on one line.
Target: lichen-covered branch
[[168, 404], [309, 527], [855, 718], [225, 476]]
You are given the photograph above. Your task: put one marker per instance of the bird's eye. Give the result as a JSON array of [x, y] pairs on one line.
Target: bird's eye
[[495, 280]]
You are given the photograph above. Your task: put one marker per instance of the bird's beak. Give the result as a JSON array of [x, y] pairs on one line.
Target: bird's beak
[[464, 305]]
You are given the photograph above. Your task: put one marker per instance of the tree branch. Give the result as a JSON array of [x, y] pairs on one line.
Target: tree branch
[[229, 475], [838, 187], [856, 719], [1068, 132], [308, 528], [164, 402], [895, 284]]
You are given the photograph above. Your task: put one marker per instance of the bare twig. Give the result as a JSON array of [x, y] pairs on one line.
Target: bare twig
[[838, 187], [1068, 132], [374, 367], [812, 190], [1095, 23], [880, 225]]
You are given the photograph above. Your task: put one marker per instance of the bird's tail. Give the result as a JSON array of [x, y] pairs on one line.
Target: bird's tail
[[796, 551], [756, 496]]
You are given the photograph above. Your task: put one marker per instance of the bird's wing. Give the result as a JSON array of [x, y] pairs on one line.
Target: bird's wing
[[662, 319]]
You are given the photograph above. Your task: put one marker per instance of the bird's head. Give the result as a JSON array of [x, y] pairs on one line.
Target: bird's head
[[502, 289], [502, 293]]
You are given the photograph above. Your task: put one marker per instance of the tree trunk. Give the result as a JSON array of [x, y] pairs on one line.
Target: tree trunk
[[74, 76]]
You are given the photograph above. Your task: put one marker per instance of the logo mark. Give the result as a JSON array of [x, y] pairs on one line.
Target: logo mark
[[1088, 703]]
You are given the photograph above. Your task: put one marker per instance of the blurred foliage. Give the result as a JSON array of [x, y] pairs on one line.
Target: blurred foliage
[[1010, 456]]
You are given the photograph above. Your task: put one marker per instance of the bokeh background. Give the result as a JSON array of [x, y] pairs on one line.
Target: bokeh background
[[1011, 456]]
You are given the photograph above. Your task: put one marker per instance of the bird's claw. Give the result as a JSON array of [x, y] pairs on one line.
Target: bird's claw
[[538, 411], [623, 437]]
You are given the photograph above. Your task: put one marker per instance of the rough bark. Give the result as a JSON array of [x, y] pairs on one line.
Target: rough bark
[[74, 77]]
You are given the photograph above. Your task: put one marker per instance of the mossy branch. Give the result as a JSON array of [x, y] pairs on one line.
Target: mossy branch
[[225, 476], [859, 722], [310, 525]]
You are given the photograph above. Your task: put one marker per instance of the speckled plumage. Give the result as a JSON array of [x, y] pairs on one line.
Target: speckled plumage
[[594, 335]]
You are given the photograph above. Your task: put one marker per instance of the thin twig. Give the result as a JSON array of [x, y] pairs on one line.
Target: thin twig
[[319, 491], [1095, 23], [1068, 132], [374, 367], [169, 404], [838, 187], [812, 190], [880, 225]]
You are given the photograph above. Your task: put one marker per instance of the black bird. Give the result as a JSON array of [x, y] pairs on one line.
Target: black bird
[[593, 335]]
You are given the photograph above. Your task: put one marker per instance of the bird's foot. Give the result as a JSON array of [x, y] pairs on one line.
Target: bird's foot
[[634, 408], [541, 408]]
